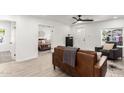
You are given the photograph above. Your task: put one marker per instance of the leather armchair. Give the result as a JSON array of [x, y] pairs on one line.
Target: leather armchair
[[114, 53], [87, 63]]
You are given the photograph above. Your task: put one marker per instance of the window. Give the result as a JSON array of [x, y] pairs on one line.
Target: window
[[2, 34]]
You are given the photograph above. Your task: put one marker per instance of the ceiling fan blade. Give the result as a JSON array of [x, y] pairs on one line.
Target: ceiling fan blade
[[87, 20], [75, 18], [74, 22]]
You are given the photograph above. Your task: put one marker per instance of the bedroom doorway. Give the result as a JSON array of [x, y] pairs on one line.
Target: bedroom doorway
[[44, 38]]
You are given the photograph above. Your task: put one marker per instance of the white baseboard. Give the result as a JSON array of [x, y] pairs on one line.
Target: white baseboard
[[26, 59]]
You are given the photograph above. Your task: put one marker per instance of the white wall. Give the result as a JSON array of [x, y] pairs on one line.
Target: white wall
[[93, 31], [27, 35], [5, 46], [26, 38], [59, 34]]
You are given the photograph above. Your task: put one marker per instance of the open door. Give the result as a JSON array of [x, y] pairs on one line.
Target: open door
[[12, 40], [7, 41]]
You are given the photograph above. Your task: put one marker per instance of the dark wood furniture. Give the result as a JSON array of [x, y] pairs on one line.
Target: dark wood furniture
[[69, 41], [87, 63]]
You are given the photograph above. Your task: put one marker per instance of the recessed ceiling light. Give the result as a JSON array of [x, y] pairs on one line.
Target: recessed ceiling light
[[115, 17]]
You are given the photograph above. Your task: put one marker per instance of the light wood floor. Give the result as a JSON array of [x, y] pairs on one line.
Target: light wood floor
[[42, 67], [5, 57]]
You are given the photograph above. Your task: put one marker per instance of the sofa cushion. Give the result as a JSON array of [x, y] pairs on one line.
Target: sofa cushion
[[90, 52], [108, 46]]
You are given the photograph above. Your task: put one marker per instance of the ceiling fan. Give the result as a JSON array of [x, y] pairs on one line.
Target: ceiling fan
[[79, 19]]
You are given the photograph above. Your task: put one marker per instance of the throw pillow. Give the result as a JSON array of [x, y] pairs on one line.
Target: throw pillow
[[108, 46]]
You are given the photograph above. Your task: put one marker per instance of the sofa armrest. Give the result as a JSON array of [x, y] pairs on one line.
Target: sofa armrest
[[101, 67]]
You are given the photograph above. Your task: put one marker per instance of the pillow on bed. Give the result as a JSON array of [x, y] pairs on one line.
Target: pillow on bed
[[43, 41]]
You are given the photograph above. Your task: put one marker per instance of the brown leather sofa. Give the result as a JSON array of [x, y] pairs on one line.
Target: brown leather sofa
[[87, 63]]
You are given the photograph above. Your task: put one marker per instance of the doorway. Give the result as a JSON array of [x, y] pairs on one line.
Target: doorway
[[7, 41], [45, 38]]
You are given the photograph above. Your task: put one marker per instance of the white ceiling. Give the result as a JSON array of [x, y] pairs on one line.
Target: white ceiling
[[67, 19]]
